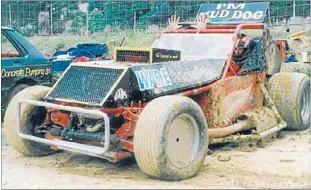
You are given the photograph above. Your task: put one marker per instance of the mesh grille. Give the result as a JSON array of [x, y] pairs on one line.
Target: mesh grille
[[86, 84], [133, 56]]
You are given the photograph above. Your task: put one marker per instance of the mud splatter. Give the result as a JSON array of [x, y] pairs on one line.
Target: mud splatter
[[224, 158], [287, 160], [297, 67], [248, 147], [224, 94], [263, 118], [96, 167]]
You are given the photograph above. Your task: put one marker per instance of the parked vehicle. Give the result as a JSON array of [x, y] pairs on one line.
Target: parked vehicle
[[22, 65]]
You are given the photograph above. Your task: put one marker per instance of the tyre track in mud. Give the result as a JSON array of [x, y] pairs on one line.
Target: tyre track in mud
[[283, 163]]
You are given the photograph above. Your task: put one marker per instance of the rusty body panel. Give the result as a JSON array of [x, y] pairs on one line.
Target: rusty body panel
[[231, 97]]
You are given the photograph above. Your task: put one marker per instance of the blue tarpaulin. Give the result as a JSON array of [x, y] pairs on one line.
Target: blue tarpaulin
[[291, 58], [90, 50]]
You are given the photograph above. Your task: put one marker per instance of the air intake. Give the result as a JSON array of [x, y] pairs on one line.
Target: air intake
[[145, 55]]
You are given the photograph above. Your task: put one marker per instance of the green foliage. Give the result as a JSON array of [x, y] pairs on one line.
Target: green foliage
[[3, 39], [95, 5], [79, 20], [120, 14], [96, 21], [28, 30], [60, 45]]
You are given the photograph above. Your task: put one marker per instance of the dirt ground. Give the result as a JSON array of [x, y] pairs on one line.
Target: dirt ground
[[280, 162]]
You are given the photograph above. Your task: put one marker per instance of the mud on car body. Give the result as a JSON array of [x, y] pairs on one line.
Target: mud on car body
[[164, 113], [22, 65]]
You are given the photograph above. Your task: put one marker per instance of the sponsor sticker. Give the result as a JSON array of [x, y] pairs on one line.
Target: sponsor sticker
[[153, 78], [25, 72]]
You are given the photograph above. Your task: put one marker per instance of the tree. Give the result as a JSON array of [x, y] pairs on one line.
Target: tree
[[97, 21]]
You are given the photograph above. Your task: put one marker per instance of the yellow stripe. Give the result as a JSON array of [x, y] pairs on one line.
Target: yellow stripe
[[132, 48], [151, 53]]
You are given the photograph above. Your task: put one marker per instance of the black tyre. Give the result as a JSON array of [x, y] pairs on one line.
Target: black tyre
[[16, 89], [171, 139], [31, 116], [290, 93]]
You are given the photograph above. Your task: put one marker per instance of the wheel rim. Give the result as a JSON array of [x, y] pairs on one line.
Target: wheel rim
[[183, 140], [305, 105]]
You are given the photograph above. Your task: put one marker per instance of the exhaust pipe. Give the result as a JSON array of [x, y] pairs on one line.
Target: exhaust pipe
[[226, 131]]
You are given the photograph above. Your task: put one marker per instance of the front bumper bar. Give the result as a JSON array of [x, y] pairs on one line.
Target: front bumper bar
[[101, 152]]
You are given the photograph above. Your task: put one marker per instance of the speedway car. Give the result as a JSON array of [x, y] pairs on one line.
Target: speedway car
[[164, 105]]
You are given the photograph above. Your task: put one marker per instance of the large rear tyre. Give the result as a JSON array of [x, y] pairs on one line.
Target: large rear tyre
[[171, 140], [31, 116], [290, 93]]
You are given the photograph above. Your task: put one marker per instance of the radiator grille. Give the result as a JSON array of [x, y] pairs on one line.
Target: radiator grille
[[86, 84], [133, 56]]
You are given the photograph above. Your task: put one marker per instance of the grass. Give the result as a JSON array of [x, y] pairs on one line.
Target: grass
[[49, 44]]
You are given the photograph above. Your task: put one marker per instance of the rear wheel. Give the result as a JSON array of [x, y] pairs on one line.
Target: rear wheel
[[290, 93], [31, 116], [170, 140]]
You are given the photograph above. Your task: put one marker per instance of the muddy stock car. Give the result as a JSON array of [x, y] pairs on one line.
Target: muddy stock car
[[164, 105]]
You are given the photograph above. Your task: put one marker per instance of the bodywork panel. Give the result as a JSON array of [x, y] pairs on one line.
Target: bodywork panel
[[135, 83], [231, 97], [30, 65]]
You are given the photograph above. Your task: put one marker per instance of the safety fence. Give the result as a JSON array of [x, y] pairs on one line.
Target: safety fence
[[88, 17]]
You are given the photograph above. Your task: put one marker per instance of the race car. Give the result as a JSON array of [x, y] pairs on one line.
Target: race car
[[165, 104]]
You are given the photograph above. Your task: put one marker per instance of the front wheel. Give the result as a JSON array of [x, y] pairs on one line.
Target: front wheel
[[171, 140], [31, 116]]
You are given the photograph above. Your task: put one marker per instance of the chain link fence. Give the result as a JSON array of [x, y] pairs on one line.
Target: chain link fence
[[83, 18], [290, 13]]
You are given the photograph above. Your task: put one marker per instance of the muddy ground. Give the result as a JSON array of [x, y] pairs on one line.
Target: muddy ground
[[284, 162]]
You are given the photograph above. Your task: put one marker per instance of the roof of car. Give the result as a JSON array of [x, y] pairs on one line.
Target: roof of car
[[6, 28]]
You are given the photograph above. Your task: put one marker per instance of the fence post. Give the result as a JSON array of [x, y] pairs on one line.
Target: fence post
[[51, 13], [87, 19], [10, 16], [135, 22], [294, 9], [269, 23]]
